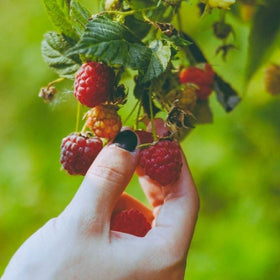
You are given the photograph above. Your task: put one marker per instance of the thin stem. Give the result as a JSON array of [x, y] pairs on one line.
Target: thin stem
[[56, 81], [152, 116], [131, 12], [207, 9], [131, 112], [223, 15], [138, 114], [78, 114], [180, 31], [84, 129], [148, 20], [179, 21], [189, 56]]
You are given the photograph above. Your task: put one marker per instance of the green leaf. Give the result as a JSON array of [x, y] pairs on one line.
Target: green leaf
[[202, 112], [113, 43], [178, 41], [158, 62], [79, 16], [264, 30], [143, 27], [163, 13], [54, 47], [59, 14], [140, 4], [226, 95]]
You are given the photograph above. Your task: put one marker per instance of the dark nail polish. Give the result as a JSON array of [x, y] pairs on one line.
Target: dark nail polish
[[126, 140]]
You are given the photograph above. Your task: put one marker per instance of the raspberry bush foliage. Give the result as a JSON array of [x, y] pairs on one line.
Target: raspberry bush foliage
[[139, 51]]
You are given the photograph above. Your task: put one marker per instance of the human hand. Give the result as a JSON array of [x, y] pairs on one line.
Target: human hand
[[78, 244]]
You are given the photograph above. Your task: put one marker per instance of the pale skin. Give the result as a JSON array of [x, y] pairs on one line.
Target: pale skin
[[78, 244]]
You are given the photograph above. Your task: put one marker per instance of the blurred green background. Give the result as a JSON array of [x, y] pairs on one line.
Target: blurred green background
[[235, 160]]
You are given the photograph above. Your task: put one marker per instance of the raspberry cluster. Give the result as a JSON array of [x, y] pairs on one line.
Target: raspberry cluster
[[93, 86], [165, 70], [160, 159]]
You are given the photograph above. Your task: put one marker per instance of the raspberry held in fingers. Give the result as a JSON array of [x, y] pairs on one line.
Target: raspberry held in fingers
[[130, 221], [162, 162]]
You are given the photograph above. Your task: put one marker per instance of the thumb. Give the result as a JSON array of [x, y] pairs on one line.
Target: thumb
[[105, 180]]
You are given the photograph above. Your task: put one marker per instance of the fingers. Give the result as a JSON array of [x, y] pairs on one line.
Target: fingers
[[178, 214], [105, 180], [152, 191]]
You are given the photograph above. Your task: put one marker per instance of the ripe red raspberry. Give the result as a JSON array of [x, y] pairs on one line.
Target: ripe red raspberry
[[162, 162], [202, 77], [93, 83], [78, 152], [130, 221], [104, 121]]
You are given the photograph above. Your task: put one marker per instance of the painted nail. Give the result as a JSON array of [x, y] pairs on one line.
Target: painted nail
[[126, 140]]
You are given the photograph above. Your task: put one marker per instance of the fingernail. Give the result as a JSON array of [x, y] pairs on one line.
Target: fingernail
[[126, 140]]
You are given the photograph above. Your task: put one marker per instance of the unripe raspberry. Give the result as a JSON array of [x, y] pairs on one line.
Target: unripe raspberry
[[104, 121], [188, 98], [272, 79], [93, 83]]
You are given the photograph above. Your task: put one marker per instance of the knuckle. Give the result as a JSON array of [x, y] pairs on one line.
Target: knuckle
[[89, 225], [106, 173]]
